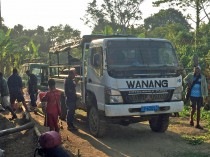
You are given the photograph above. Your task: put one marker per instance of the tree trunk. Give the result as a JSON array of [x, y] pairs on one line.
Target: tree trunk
[[197, 23]]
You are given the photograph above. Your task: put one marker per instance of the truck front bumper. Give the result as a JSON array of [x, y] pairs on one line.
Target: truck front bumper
[[135, 109]]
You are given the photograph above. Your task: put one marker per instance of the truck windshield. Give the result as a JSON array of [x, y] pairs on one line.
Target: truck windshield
[[129, 53]]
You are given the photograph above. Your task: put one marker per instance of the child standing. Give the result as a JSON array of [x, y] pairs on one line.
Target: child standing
[[53, 108]]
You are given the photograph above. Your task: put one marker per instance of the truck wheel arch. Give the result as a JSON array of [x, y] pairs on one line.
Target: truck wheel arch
[[91, 100], [96, 122]]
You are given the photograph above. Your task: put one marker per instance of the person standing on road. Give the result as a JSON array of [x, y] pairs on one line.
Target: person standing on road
[[32, 88], [53, 108], [197, 82], [71, 97], [4, 92], [16, 89]]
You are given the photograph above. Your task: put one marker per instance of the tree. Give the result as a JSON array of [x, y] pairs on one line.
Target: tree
[[17, 31], [108, 30], [165, 17], [118, 14], [10, 52], [18, 44], [61, 34], [40, 39], [198, 5], [204, 46], [40, 30], [101, 26], [169, 24], [172, 25], [4, 47]]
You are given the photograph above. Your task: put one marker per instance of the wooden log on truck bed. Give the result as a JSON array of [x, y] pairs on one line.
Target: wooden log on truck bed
[[16, 129]]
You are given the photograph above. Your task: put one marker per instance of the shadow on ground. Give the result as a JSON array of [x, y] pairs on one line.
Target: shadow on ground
[[138, 140]]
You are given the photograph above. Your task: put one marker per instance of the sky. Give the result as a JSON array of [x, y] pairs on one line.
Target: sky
[[47, 13]]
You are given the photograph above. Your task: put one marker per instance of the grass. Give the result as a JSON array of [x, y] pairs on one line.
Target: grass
[[189, 154], [197, 139]]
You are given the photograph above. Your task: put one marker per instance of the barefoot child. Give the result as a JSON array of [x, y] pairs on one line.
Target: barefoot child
[[53, 108]]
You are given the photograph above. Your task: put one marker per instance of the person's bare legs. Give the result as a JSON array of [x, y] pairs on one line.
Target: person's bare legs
[[14, 116], [193, 109], [198, 118], [13, 106], [25, 105]]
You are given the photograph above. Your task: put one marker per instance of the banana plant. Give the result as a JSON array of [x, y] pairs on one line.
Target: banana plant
[[4, 49]]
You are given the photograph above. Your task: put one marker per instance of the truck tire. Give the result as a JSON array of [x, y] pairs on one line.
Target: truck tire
[[159, 123], [63, 107], [97, 126]]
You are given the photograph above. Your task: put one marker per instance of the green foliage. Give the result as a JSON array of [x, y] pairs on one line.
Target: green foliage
[[120, 15], [108, 30], [19, 45], [195, 140], [34, 49], [178, 33], [200, 7], [5, 54], [164, 18], [185, 112], [61, 34], [189, 154]]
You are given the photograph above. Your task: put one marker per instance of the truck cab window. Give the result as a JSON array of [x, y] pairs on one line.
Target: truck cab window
[[96, 60]]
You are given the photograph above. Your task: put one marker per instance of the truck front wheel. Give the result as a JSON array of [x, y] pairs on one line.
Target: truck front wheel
[[159, 123], [97, 126]]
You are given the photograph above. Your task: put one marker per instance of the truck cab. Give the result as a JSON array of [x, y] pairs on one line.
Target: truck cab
[[131, 80]]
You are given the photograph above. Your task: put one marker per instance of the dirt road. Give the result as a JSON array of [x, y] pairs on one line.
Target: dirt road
[[136, 140]]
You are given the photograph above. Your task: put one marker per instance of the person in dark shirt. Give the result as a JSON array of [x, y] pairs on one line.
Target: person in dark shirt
[[70, 93], [4, 92], [32, 88], [16, 88]]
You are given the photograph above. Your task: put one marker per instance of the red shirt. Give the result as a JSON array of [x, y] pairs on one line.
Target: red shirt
[[53, 102]]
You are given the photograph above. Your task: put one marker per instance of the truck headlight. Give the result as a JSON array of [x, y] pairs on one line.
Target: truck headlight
[[113, 96], [177, 95]]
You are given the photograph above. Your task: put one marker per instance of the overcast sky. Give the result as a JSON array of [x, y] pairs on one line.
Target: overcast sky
[[46, 13]]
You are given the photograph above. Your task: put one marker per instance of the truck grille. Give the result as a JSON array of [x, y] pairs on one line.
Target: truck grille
[[147, 96]]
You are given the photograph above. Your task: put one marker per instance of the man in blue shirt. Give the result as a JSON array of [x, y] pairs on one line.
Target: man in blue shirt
[[199, 90]]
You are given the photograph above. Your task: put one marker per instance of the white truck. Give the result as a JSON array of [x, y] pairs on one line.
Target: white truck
[[121, 79]]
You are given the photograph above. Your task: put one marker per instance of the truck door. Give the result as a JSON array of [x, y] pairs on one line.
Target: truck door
[[95, 75]]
